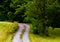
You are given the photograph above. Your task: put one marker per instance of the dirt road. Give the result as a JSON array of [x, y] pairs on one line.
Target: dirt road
[[19, 32]]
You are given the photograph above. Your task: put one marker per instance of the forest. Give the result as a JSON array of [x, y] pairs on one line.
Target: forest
[[41, 14]]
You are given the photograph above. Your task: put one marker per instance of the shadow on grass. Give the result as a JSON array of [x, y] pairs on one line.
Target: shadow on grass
[[53, 34]]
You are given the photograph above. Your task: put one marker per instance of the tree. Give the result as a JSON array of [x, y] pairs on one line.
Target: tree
[[13, 9], [35, 11], [19, 6], [52, 12], [42, 13]]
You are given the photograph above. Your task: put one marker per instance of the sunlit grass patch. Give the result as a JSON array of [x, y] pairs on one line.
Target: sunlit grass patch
[[37, 38], [34, 38], [7, 28], [9, 38]]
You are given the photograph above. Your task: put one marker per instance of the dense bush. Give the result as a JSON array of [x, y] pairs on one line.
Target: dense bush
[[14, 27]]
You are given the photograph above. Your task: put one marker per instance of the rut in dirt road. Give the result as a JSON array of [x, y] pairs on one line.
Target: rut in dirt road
[[19, 32]]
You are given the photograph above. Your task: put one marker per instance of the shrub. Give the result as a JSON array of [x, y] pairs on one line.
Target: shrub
[[14, 27]]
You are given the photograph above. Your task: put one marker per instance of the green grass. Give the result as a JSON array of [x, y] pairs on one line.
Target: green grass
[[54, 36], [6, 31], [9, 38], [21, 35], [37, 38]]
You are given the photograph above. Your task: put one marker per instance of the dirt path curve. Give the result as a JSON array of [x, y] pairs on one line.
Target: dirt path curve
[[25, 35]]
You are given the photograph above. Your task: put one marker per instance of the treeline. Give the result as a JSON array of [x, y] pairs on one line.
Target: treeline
[[12, 10], [41, 13]]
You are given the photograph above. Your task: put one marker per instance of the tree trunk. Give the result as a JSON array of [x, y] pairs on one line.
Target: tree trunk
[[44, 31]]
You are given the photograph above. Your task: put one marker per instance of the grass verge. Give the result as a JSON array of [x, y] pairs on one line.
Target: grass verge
[[54, 36], [6, 30], [37, 38]]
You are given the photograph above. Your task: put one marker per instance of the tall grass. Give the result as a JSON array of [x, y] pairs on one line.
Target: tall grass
[[6, 29]]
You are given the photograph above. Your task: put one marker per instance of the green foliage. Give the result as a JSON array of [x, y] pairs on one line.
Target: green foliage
[[14, 27], [34, 15], [10, 16], [40, 13], [2, 17], [52, 12], [13, 9]]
